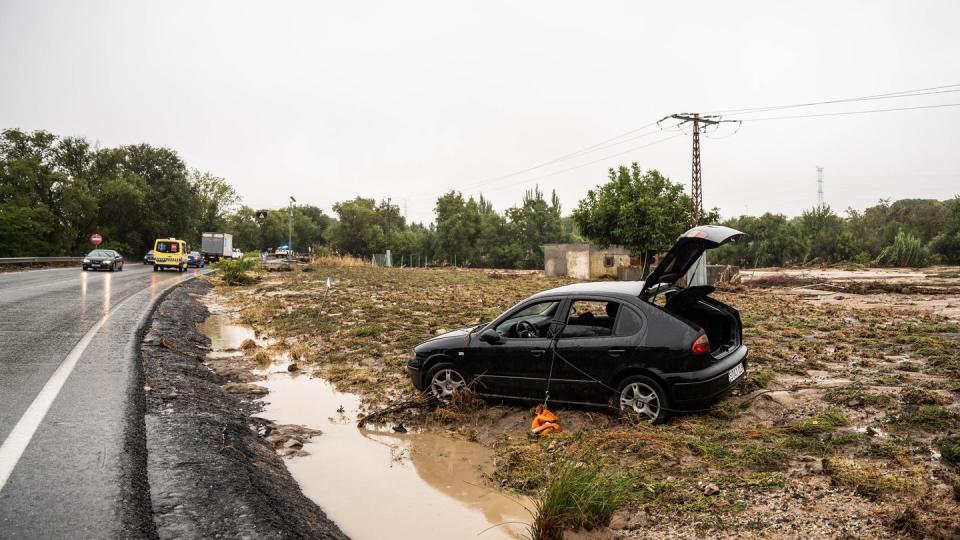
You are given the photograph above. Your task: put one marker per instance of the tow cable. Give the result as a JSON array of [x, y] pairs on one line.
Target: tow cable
[[544, 420]]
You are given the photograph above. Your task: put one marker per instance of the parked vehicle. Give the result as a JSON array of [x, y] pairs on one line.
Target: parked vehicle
[[195, 259], [148, 258], [646, 347], [170, 253], [103, 259], [216, 246], [237, 254]]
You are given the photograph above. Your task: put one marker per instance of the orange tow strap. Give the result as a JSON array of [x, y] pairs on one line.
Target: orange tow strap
[[544, 422]]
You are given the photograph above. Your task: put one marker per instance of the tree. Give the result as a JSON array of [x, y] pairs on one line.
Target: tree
[[358, 229], [216, 199], [534, 223], [458, 226], [642, 211]]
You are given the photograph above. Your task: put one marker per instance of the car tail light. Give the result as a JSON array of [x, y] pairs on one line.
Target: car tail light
[[701, 345]]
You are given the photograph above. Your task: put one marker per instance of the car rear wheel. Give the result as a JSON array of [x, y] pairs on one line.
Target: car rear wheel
[[644, 397], [444, 381]]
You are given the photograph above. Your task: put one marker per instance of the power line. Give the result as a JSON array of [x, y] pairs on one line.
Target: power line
[[847, 113], [582, 165], [889, 95], [602, 145]]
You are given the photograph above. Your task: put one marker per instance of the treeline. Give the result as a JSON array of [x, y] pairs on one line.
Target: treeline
[[56, 191], [908, 232]]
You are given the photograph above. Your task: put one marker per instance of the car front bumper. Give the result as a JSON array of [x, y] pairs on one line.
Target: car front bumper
[[416, 376], [708, 384]]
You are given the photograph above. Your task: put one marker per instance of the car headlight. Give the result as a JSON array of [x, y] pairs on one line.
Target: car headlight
[[86, 261], [107, 262]]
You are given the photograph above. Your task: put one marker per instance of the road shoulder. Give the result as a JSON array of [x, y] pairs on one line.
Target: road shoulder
[[211, 474]]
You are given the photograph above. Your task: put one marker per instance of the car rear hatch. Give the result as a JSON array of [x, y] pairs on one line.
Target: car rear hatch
[[685, 252]]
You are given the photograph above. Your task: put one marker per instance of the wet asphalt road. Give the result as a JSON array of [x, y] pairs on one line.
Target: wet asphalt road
[[71, 440]]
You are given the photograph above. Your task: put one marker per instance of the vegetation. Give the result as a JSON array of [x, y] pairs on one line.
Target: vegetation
[[578, 495], [236, 271]]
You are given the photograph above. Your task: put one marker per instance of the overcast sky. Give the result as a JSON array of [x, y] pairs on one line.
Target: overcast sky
[[328, 100]]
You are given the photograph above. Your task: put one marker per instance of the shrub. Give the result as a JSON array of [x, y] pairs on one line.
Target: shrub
[[578, 495], [235, 271], [366, 330], [906, 250]]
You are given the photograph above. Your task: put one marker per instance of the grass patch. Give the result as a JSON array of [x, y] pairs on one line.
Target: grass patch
[[819, 423], [868, 479], [578, 495], [236, 271], [858, 394], [913, 395], [366, 330], [949, 449], [930, 418]]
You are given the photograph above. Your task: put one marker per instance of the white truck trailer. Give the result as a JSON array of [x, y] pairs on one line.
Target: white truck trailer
[[215, 246]]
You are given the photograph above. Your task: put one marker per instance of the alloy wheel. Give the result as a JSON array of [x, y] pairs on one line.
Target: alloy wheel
[[640, 398], [445, 384]]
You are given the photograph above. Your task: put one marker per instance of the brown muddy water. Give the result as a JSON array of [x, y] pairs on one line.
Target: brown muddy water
[[376, 483]]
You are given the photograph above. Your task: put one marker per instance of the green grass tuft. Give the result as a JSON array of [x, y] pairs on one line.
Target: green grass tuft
[[578, 495]]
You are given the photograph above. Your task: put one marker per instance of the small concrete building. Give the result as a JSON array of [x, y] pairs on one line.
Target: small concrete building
[[584, 261]]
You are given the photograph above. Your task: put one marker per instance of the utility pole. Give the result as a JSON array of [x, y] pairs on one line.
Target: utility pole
[[699, 122], [290, 229], [819, 186], [697, 275]]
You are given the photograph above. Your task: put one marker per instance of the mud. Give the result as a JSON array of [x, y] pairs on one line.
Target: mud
[[211, 474], [418, 485]]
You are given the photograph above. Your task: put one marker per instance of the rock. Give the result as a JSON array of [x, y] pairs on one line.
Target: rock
[[275, 439], [248, 344], [619, 521], [293, 443], [245, 388], [400, 428], [293, 367], [711, 489]]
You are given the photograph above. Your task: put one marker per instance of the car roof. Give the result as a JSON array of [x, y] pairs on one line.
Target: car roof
[[628, 288]]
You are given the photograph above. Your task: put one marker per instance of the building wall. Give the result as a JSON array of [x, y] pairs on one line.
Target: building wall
[[555, 257]]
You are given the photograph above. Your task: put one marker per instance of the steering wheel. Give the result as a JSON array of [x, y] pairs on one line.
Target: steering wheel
[[526, 329]]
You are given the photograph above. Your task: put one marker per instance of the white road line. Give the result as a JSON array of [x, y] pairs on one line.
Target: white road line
[[13, 447]]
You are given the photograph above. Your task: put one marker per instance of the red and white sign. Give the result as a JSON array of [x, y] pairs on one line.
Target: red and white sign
[[95, 239]]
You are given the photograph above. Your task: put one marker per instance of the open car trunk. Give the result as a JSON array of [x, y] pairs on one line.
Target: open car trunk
[[692, 305], [719, 322]]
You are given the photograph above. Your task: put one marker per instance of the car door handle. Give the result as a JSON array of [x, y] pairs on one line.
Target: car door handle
[[538, 352], [616, 352]]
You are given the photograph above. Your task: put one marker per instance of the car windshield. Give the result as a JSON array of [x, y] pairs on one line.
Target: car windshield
[[194, 253], [100, 253], [168, 247]]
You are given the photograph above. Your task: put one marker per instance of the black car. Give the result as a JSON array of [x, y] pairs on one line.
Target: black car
[[649, 347], [103, 259]]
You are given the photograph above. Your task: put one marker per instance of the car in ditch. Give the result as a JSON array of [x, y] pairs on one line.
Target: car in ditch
[[650, 347]]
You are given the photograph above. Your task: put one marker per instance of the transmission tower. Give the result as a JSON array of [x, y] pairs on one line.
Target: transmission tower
[[819, 186], [699, 122]]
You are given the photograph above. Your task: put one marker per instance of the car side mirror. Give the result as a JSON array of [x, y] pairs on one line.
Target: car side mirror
[[490, 336]]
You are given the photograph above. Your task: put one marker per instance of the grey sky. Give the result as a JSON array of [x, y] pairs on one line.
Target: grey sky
[[329, 100]]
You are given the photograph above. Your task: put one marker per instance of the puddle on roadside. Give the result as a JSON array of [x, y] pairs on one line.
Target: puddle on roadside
[[378, 483], [226, 335]]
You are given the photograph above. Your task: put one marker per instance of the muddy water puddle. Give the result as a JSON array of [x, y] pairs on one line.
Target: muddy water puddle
[[377, 483]]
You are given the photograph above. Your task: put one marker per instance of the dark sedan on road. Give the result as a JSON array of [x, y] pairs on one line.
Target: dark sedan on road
[[103, 259], [645, 347], [195, 259], [148, 258]]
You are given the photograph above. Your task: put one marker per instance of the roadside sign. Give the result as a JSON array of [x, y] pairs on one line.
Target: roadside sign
[[96, 239], [261, 216]]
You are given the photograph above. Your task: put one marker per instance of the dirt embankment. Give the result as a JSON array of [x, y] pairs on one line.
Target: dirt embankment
[[211, 473]]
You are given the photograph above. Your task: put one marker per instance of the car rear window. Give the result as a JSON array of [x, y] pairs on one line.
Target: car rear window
[[168, 247], [629, 322]]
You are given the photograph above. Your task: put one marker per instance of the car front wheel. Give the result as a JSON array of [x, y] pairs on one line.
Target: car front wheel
[[444, 381], [644, 397]]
